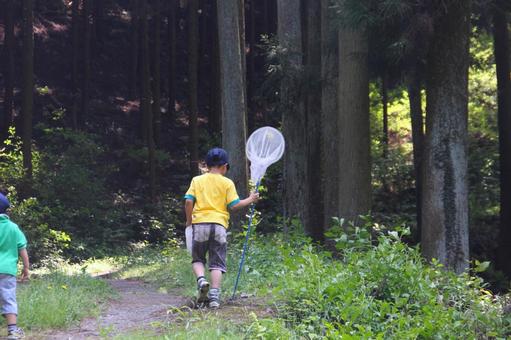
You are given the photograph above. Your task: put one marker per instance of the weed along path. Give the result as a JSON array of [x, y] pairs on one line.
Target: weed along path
[[139, 306]]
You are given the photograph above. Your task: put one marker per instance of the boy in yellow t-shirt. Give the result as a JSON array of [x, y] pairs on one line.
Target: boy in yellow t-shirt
[[207, 204]]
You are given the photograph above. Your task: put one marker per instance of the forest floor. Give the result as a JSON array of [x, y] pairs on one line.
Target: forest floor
[[143, 311]]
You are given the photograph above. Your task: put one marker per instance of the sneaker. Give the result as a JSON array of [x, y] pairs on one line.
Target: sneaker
[[203, 288], [214, 298], [16, 334]]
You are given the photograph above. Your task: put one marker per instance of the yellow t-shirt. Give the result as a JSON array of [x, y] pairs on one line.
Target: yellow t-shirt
[[213, 194]]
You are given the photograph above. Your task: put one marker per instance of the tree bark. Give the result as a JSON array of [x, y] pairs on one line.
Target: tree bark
[[503, 59], [193, 78], [329, 142], [234, 131], [215, 112], [75, 34], [251, 72], [415, 99], [8, 69], [445, 191], [145, 101], [156, 78], [172, 22], [87, 15], [385, 105], [314, 222], [354, 187], [289, 31], [27, 102], [134, 50]]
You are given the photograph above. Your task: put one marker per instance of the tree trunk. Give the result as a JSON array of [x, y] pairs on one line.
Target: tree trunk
[[145, 101], [385, 105], [234, 131], [415, 99], [445, 191], [289, 31], [503, 60], [134, 50], [87, 15], [8, 69], [193, 73], [75, 34], [314, 223], [27, 102], [172, 22], [329, 142], [215, 112], [251, 73], [156, 87], [354, 187]]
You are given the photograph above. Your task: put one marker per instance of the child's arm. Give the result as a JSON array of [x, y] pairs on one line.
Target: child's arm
[[188, 211], [253, 198], [25, 274]]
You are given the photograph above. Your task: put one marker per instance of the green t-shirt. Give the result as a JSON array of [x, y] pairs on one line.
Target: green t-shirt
[[12, 240]]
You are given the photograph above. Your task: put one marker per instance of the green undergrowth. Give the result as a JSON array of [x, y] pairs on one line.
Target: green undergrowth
[[375, 287], [60, 299]]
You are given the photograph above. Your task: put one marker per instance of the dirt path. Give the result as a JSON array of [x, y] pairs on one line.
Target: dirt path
[[139, 307]]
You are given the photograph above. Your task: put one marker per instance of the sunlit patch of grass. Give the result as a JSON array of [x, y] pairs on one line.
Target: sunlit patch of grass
[[59, 300]]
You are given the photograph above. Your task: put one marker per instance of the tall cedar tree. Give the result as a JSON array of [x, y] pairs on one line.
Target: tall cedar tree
[[87, 40], [234, 133], [314, 223], [385, 105], [134, 49], [145, 100], [445, 191], [215, 101], [251, 70], [156, 77], [416, 115], [329, 144], [289, 32], [172, 32], [503, 60], [193, 79], [75, 36], [8, 68], [27, 102], [354, 186]]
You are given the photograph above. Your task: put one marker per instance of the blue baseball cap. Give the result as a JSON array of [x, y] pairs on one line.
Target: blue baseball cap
[[4, 203], [217, 157]]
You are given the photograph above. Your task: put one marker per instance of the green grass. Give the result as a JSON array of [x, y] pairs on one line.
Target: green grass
[[58, 300]]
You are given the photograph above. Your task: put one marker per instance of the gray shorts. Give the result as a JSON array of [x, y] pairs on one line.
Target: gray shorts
[[210, 238], [8, 294]]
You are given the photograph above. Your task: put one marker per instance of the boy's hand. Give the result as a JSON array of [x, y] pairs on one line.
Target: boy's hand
[[25, 275], [254, 197]]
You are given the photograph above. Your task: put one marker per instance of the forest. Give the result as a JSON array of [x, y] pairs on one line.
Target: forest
[[389, 215]]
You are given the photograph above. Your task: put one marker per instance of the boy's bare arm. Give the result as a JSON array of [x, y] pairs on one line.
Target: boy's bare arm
[[188, 211], [25, 274], [253, 198]]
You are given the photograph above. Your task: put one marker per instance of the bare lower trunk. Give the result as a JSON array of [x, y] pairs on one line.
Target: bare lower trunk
[[503, 60], [193, 73], [314, 223], [27, 102], [156, 86], [75, 32], [172, 22], [87, 19], [414, 96], [353, 125], [134, 50], [8, 69], [293, 112], [445, 192], [215, 112], [329, 143]]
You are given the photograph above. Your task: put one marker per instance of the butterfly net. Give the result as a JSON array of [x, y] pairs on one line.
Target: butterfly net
[[265, 146]]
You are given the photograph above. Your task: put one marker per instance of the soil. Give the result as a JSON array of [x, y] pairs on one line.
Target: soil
[[141, 307]]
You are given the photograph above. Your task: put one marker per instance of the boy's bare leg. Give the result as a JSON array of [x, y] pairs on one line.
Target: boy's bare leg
[[198, 269], [10, 318], [216, 278]]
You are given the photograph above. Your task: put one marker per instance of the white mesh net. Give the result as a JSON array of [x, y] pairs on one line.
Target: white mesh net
[[265, 146]]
